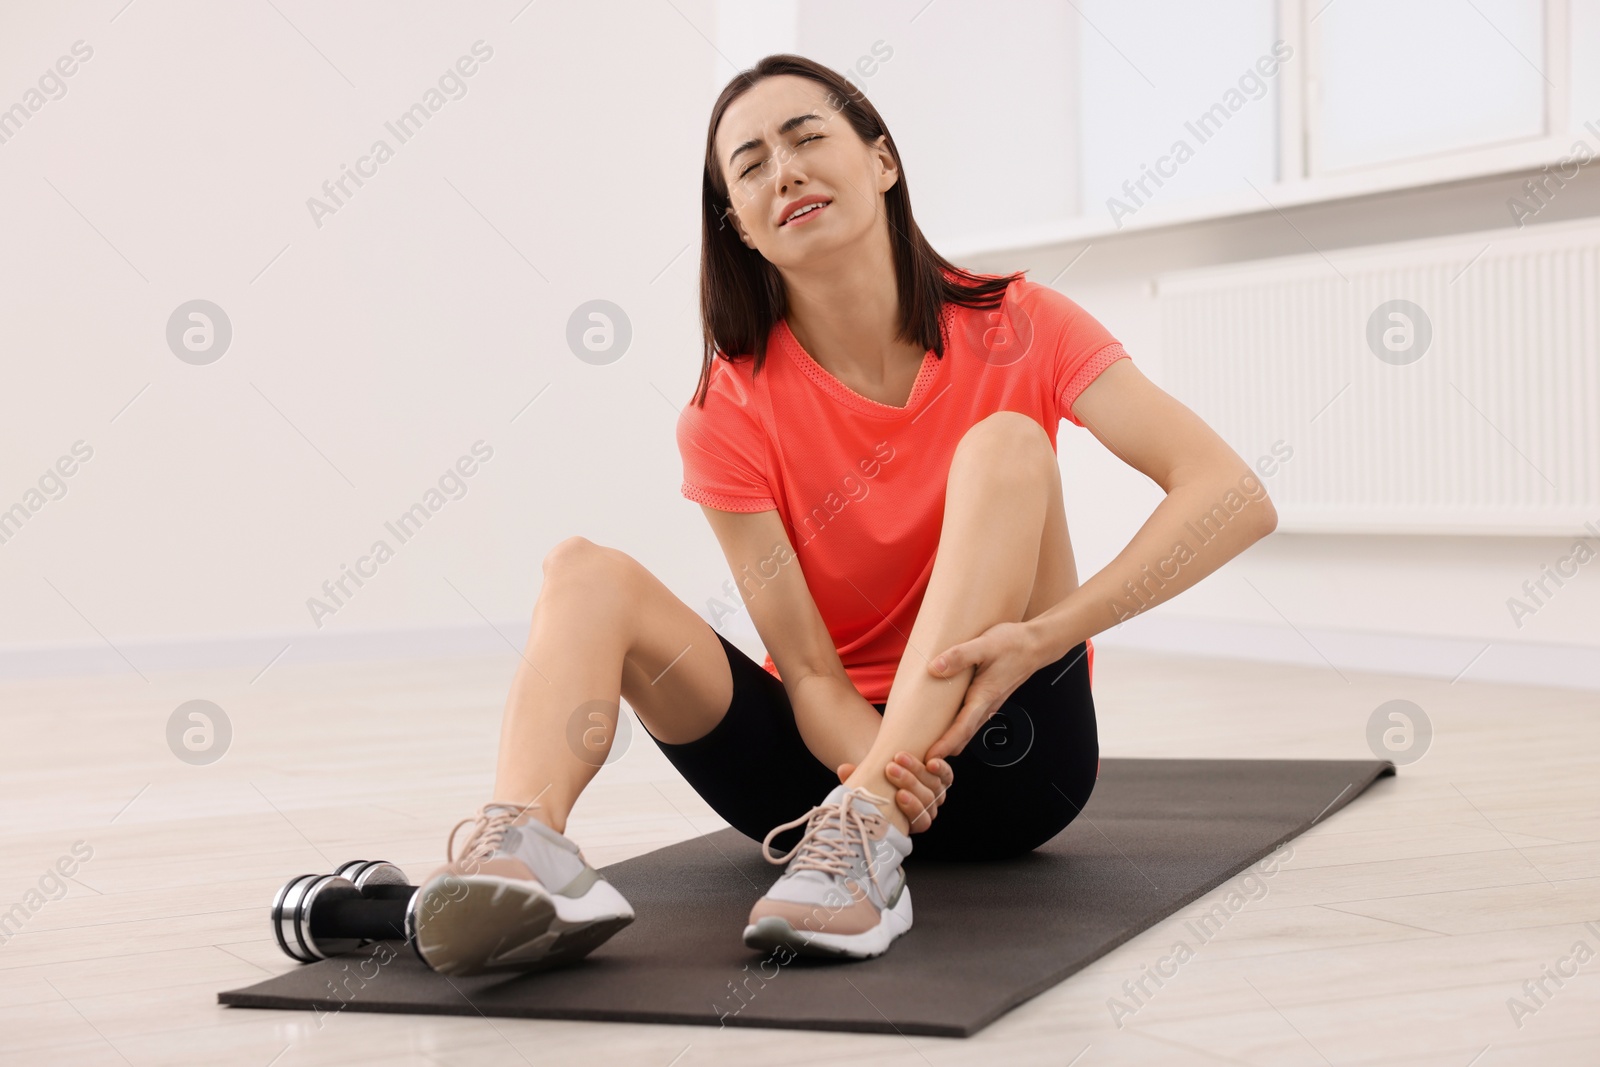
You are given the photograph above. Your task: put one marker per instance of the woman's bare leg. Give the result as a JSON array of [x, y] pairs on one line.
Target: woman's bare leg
[[1003, 555], [604, 627]]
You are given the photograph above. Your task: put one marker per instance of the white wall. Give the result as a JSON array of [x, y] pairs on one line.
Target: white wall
[[372, 351], [374, 345], [376, 348]]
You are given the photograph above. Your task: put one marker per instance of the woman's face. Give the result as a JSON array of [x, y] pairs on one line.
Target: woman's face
[[772, 164]]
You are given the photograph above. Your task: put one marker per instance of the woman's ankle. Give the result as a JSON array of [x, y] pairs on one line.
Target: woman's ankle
[[881, 786], [533, 809]]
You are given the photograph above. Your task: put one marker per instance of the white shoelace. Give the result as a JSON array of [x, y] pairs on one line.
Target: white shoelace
[[832, 855], [492, 822]]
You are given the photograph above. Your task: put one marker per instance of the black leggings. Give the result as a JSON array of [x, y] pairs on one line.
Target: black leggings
[[1024, 776]]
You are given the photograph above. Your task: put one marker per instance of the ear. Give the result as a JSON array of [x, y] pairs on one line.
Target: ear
[[732, 219], [888, 173]]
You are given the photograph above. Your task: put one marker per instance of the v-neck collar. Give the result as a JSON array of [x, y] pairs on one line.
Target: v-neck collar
[[847, 396]]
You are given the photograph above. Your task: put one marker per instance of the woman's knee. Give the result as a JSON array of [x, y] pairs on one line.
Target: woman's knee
[[578, 571], [1009, 439], [579, 558]]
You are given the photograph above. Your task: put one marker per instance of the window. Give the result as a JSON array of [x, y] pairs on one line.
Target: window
[[1389, 82], [1297, 100], [1173, 104]]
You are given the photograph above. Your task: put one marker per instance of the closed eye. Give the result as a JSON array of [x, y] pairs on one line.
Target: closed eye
[[761, 163]]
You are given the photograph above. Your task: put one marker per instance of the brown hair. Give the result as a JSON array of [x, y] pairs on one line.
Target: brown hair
[[742, 294]]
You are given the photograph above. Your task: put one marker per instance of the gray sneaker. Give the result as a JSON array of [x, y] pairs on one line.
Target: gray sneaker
[[520, 898], [844, 892]]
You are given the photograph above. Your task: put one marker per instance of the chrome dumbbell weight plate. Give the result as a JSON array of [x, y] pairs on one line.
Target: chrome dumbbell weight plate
[[291, 916], [376, 879], [318, 916]]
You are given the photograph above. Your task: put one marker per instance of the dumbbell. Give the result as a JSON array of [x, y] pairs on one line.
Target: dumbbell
[[316, 916]]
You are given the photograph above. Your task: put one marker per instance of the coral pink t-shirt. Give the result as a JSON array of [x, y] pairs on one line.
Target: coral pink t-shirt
[[860, 485]]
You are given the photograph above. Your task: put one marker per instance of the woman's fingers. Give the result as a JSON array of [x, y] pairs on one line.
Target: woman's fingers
[[910, 793], [936, 778], [920, 791], [919, 787], [913, 809]]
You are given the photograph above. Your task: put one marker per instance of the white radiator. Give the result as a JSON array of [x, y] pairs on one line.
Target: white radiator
[[1495, 429]]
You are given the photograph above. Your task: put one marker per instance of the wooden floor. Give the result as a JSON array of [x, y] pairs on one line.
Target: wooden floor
[[1400, 932]]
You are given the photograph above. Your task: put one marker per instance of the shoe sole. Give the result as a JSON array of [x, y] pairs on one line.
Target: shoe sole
[[774, 932], [511, 925]]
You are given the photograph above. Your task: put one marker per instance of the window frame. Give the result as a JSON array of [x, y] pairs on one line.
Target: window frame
[[1298, 141]]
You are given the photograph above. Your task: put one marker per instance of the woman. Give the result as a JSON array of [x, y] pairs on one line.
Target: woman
[[877, 461]]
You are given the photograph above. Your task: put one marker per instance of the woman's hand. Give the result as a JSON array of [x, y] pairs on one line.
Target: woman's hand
[[1006, 655], [921, 787]]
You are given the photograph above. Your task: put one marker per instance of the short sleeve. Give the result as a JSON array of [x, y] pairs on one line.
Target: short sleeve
[[1080, 347], [724, 451]]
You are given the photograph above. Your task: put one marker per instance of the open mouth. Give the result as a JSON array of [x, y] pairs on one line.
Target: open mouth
[[807, 212]]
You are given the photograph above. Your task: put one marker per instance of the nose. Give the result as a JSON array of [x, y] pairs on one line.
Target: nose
[[789, 172]]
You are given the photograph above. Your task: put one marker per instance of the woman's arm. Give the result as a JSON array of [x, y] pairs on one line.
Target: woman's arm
[[837, 724], [1215, 507]]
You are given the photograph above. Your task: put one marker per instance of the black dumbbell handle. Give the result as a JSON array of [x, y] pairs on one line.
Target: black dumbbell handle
[[402, 893], [371, 919], [319, 916]]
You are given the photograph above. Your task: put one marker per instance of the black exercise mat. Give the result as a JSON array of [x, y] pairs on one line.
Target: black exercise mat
[[1155, 835]]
